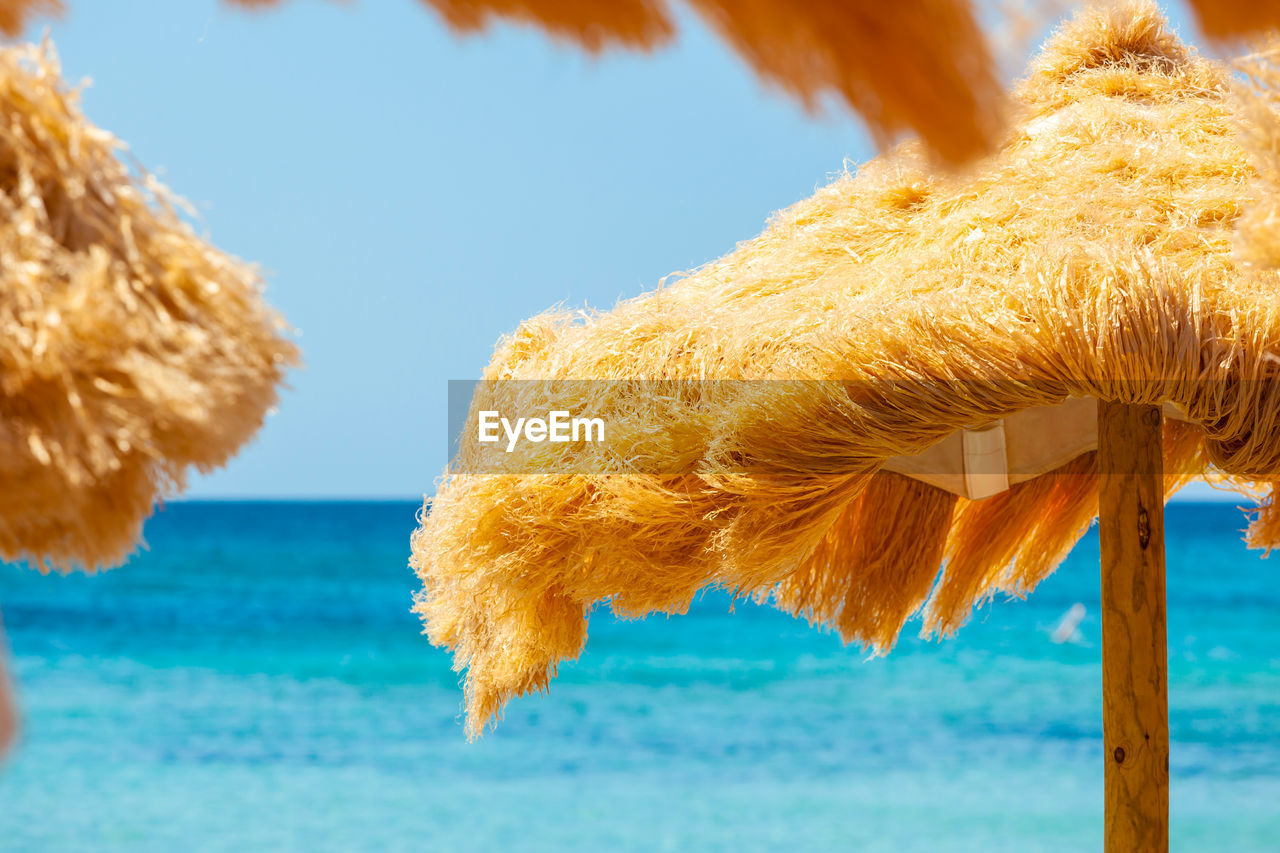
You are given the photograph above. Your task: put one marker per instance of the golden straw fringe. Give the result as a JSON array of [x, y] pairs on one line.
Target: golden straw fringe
[[131, 351], [1095, 256], [877, 563], [924, 67], [1235, 19], [916, 68]]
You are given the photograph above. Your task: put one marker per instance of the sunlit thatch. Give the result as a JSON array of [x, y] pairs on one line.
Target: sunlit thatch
[[922, 67], [1092, 257], [130, 350]]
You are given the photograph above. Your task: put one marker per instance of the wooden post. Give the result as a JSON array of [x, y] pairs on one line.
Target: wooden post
[[1135, 696]]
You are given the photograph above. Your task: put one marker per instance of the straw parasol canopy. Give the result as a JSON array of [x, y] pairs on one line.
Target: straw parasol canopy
[[924, 67], [896, 310], [131, 351], [948, 90]]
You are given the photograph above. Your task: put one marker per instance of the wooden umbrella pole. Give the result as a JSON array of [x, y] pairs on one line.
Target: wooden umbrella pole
[[1135, 698]]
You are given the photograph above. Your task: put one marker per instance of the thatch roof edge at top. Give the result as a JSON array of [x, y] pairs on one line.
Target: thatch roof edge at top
[[925, 69]]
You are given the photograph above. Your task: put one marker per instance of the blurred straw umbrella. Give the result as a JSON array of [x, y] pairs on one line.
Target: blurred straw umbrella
[[131, 351], [955, 370], [924, 67]]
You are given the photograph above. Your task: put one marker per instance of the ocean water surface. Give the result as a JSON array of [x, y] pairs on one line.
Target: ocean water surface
[[255, 680]]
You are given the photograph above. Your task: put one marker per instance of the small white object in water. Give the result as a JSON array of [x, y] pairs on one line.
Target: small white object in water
[[1068, 624]]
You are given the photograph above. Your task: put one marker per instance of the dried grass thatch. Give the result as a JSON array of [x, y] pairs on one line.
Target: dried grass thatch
[[1232, 19], [130, 350], [1092, 257], [923, 67], [14, 14]]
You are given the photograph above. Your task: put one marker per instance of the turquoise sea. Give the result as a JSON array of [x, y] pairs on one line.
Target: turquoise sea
[[255, 681]]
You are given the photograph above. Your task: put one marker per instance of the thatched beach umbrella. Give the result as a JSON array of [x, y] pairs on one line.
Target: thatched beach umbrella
[[924, 67], [131, 351], [925, 370]]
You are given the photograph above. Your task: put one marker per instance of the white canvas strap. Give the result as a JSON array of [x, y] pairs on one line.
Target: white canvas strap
[[983, 461], [986, 464]]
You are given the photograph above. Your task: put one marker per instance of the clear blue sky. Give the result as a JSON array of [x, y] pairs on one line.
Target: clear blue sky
[[413, 196]]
